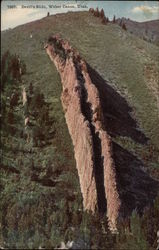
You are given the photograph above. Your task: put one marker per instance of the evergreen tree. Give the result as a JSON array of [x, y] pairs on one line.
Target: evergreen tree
[[102, 14], [114, 20], [97, 13]]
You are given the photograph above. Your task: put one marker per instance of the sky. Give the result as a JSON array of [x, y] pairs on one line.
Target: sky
[[14, 13]]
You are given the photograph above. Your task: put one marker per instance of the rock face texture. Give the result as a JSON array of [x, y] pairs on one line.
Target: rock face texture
[[92, 145], [84, 115], [24, 96]]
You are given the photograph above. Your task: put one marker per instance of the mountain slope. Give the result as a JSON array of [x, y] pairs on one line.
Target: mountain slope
[[127, 64], [146, 30], [130, 57], [104, 184]]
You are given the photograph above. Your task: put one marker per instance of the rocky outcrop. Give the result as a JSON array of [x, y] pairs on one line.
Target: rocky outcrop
[[26, 117], [109, 175], [24, 96], [92, 144]]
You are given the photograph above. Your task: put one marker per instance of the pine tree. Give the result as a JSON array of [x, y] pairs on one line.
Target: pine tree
[[102, 14], [97, 13], [114, 20]]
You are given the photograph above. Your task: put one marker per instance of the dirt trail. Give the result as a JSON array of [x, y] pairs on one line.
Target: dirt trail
[[99, 176]]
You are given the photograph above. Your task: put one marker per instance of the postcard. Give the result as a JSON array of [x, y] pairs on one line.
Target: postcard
[[79, 125]]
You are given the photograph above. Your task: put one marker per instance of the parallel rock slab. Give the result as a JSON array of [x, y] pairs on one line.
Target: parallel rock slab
[[92, 144]]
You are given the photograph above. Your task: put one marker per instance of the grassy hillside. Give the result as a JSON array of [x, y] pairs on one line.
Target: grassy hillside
[[49, 210]]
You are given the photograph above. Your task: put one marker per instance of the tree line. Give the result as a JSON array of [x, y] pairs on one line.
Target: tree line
[[104, 19]]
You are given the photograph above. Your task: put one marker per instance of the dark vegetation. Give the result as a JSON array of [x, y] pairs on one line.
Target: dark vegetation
[[32, 169], [41, 203], [104, 19], [100, 14]]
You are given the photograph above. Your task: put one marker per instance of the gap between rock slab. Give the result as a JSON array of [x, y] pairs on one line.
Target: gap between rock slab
[[97, 157]]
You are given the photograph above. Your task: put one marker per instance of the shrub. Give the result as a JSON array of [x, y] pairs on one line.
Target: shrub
[[91, 10]]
